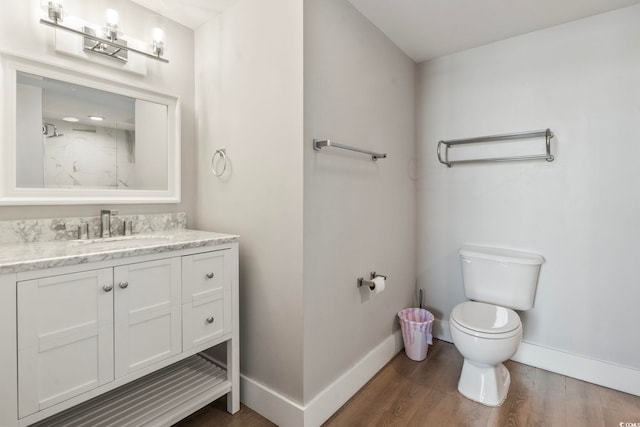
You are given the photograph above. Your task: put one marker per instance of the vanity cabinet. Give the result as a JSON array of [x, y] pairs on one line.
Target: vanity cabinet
[[127, 326], [81, 330]]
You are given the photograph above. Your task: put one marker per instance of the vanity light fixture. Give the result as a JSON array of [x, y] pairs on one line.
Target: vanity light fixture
[[108, 43], [158, 41]]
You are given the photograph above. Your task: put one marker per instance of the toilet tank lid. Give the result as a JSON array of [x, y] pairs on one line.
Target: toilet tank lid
[[501, 255]]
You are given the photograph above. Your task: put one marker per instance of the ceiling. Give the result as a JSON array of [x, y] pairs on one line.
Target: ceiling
[[426, 29], [62, 99], [190, 13]]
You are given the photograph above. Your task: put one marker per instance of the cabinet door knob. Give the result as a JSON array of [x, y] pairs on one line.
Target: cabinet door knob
[[210, 275], [210, 319], [123, 285], [107, 287]]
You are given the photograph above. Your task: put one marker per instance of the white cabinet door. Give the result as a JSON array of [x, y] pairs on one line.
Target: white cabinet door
[[147, 314], [65, 337], [206, 295]]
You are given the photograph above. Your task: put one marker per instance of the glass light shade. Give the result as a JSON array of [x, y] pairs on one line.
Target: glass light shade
[[54, 8], [112, 30], [113, 18], [157, 34], [156, 27], [157, 46]]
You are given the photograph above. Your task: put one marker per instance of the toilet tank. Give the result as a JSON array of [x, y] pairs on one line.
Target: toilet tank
[[504, 277]]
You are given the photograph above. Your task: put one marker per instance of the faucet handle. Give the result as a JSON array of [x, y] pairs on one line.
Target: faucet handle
[[127, 227], [83, 231], [105, 223]]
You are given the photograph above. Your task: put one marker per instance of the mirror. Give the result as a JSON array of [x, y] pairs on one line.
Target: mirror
[[75, 138]]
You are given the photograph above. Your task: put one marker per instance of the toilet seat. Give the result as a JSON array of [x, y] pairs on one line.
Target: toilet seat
[[485, 320]]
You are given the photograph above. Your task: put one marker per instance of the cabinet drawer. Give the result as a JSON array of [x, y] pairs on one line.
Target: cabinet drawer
[[203, 321], [203, 276], [206, 293]]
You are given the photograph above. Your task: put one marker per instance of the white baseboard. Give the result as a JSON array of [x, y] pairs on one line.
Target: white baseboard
[[607, 374], [270, 404], [336, 394], [584, 368], [287, 413]]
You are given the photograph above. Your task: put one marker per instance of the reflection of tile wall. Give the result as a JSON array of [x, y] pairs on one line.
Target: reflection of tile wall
[[49, 229], [103, 159]]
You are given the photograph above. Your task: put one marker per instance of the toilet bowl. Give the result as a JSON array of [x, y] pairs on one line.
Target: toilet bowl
[[486, 335], [486, 330]]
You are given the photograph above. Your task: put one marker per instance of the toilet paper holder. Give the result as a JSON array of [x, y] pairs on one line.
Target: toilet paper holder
[[370, 282]]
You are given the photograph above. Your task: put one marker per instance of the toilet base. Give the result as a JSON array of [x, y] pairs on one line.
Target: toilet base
[[484, 384]]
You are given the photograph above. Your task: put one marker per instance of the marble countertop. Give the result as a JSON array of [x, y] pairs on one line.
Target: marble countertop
[[15, 258]]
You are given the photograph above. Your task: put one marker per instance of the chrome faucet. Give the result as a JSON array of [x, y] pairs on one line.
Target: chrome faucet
[[105, 220]]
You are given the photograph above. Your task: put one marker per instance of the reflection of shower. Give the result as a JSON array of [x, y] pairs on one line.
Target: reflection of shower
[[45, 130]]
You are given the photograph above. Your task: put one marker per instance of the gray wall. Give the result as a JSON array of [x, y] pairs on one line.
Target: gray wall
[[249, 100], [581, 79], [359, 215], [22, 34]]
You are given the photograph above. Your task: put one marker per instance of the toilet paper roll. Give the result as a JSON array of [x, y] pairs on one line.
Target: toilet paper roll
[[380, 285]]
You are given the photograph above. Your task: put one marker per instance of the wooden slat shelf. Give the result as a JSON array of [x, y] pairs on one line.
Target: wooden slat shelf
[[159, 399]]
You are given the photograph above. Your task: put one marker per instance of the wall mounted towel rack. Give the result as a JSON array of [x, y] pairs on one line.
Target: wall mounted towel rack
[[318, 144], [546, 133]]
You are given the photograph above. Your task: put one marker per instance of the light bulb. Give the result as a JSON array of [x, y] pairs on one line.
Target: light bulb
[[157, 34], [113, 18]]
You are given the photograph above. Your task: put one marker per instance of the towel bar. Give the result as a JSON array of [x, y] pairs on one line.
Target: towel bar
[[546, 133], [320, 143]]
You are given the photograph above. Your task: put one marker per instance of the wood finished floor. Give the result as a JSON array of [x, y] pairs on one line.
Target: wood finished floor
[[407, 393]]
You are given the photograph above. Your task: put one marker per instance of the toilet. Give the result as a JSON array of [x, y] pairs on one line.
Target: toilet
[[486, 330]]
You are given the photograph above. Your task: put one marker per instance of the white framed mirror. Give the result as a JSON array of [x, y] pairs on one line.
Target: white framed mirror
[[71, 138]]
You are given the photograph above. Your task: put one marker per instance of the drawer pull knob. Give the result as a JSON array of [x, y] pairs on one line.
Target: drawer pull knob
[[210, 275], [210, 319], [123, 285], [107, 287]]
